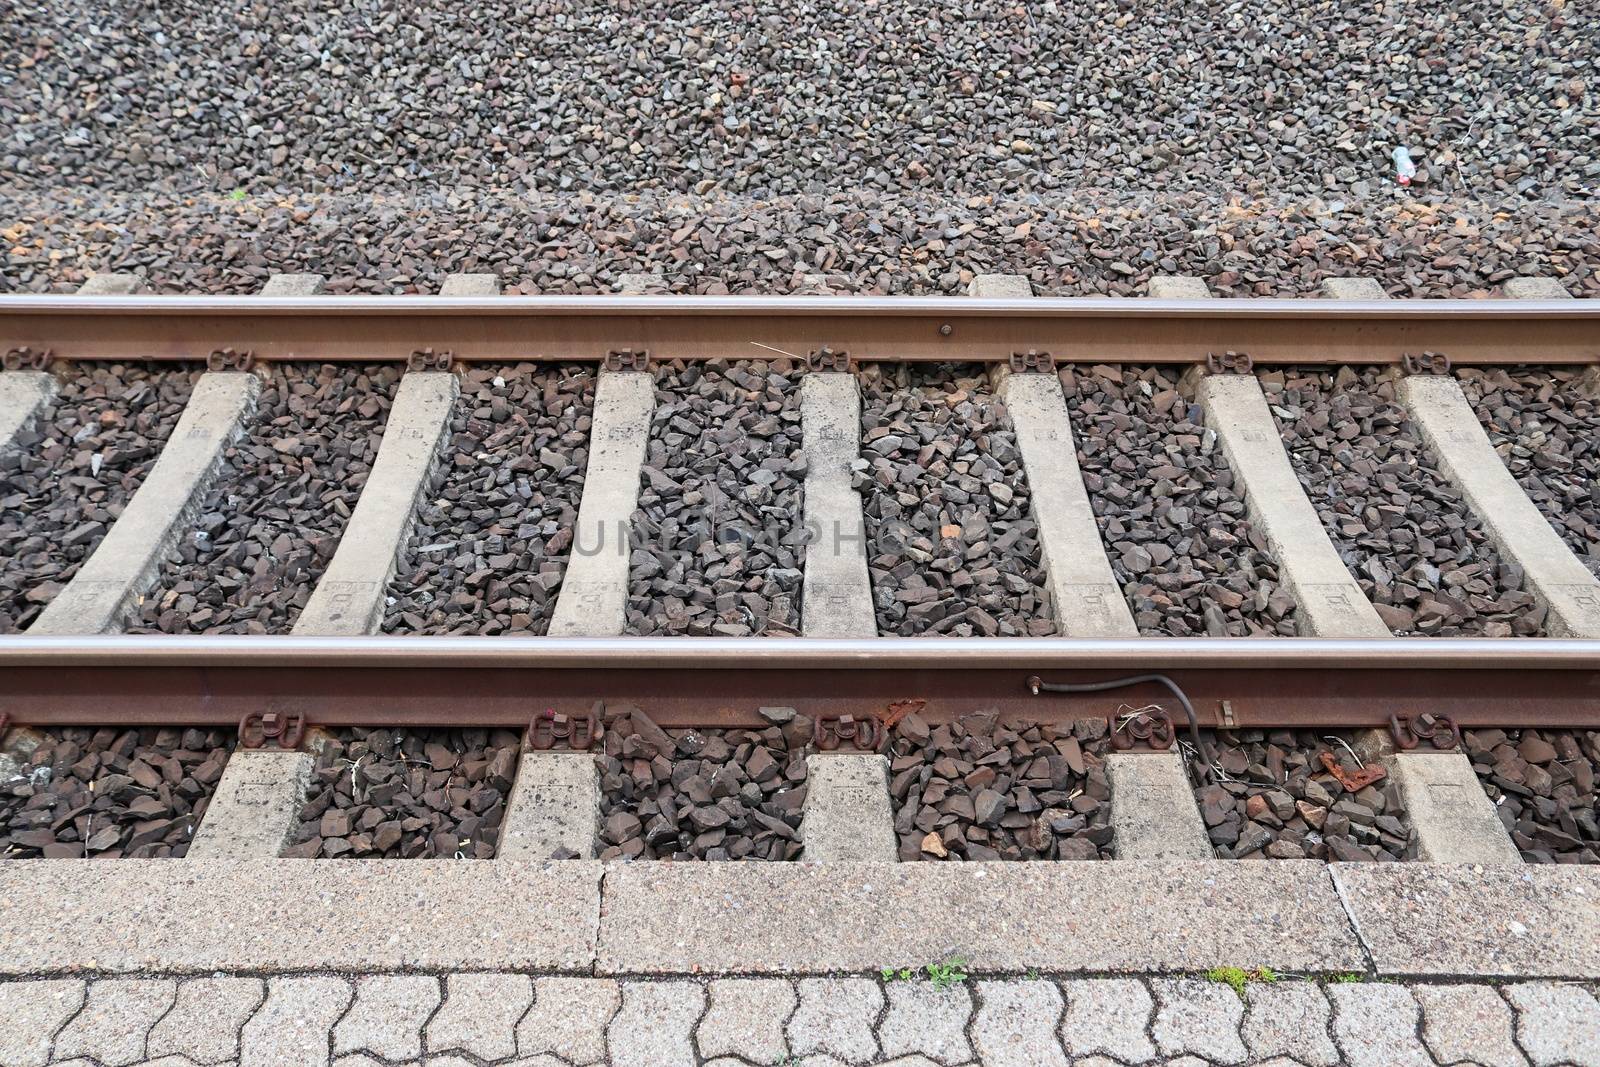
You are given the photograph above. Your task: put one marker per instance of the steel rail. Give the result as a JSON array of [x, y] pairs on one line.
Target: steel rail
[[706, 682], [588, 328]]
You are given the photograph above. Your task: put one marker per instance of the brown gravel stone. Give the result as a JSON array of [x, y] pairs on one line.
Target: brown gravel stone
[[73, 472], [1409, 538], [701, 794], [952, 547], [111, 793], [1544, 787], [272, 520], [718, 536], [977, 790], [1272, 798], [1176, 531], [407, 794], [1545, 424], [491, 540]]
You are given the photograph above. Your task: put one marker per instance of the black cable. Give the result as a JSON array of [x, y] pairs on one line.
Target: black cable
[[1038, 685]]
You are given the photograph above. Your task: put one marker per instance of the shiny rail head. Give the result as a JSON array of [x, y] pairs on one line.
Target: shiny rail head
[[852, 654]]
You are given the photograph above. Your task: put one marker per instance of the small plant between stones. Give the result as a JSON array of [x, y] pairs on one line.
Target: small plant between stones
[[1236, 978], [941, 975]]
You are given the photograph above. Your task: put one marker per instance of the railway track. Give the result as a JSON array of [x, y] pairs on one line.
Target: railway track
[[649, 577]]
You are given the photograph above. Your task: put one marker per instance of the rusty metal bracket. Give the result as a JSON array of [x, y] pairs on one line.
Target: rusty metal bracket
[[829, 732], [826, 358], [285, 729], [27, 359], [1230, 362], [230, 359], [428, 359], [1353, 781], [1440, 730], [1032, 360], [627, 359], [548, 730], [1426, 363], [1149, 729]]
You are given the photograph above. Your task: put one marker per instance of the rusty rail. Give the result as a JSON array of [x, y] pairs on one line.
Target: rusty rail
[[589, 328], [418, 681]]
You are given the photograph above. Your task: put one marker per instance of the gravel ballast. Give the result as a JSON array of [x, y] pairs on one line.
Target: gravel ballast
[[1542, 783], [1545, 424], [408, 794], [1177, 532], [273, 518], [717, 538], [701, 794], [1405, 533], [1495, 98], [108, 793], [72, 473], [1275, 798], [976, 789], [952, 547], [491, 539]]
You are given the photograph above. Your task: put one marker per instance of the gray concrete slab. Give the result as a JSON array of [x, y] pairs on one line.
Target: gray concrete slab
[[1083, 589], [1455, 821], [555, 804], [1428, 919], [837, 600], [1178, 287], [1555, 575], [256, 806], [470, 285], [277, 916], [111, 285], [593, 600], [1535, 289], [1330, 602], [1353, 289], [294, 285], [24, 396], [349, 599], [109, 585], [1153, 811], [808, 918], [847, 814]]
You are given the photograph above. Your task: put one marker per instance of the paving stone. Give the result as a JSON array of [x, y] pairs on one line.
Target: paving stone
[[1468, 1023], [1198, 1017], [746, 1019], [568, 1018], [1289, 1019], [480, 1014], [923, 1019], [361, 1059], [1375, 1025], [294, 1022], [1108, 1016], [1557, 1023], [836, 1016], [656, 1024], [175, 1061], [388, 1016], [115, 1020], [205, 1019], [1016, 1024], [34, 1012]]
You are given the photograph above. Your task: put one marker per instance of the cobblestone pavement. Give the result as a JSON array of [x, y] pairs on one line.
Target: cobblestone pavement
[[469, 1020]]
